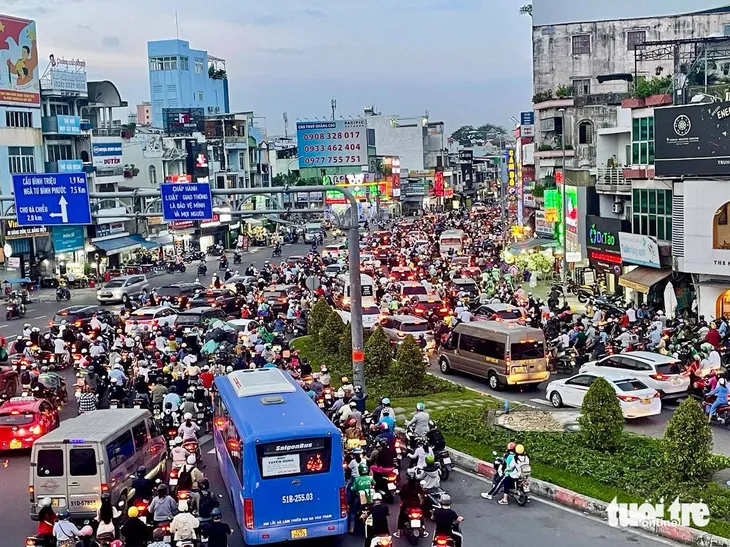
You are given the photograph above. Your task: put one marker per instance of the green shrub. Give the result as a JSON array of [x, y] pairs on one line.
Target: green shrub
[[687, 444], [318, 317], [378, 354], [409, 372], [345, 345], [601, 420], [329, 335]]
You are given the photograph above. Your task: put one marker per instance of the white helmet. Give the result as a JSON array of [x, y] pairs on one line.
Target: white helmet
[[178, 440], [188, 416], [46, 502], [191, 460]]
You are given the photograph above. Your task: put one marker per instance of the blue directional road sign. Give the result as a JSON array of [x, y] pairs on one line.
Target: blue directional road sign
[[45, 199], [186, 201]]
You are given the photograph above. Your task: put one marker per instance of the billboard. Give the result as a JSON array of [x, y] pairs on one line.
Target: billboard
[[19, 73], [106, 155], [692, 140], [67, 76], [556, 12], [184, 121], [196, 162], [332, 144]]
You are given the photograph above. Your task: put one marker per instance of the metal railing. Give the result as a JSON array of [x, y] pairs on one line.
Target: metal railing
[[611, 180]]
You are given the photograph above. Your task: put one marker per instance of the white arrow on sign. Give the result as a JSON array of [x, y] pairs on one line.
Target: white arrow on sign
[[64, 212]]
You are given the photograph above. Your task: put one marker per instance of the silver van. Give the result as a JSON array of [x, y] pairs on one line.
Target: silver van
[[91, 454], [506, 354]]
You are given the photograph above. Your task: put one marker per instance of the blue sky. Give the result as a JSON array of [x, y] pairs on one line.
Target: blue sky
[[466, 61]]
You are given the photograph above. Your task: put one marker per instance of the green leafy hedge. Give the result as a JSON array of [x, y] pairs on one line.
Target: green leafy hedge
[[634, 472]]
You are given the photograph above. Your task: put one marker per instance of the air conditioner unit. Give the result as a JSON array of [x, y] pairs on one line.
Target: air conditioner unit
[[217, 109], [617, 207]]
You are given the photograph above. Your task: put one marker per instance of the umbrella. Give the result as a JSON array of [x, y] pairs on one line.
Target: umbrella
[[670, 301]]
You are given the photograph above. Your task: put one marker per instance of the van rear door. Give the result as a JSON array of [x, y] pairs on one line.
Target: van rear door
[[84, 470], [48, 475]]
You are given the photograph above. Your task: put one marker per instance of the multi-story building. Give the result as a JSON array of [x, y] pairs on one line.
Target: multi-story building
[[144, 113], [182, 77]]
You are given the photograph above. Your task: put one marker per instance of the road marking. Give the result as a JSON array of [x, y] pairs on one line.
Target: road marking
[[40, 317], [594, 518], [3, 326]]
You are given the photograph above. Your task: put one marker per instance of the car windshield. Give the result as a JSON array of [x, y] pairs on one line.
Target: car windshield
[[414, 327], [65, 317], [168, 291], [189, 319], [114, 283], [630, 385], [142, 316], [10, 419], [415, 289], [333, 268], [268, 295], [534, 349], [370, 310], [668, 368], [466, 287], [509, 314]]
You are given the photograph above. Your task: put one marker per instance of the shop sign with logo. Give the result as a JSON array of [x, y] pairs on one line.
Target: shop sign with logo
[[106, 230], [639, 249], [67, 239], [603, 233], [181, 224], [542, 226], [13, 231]]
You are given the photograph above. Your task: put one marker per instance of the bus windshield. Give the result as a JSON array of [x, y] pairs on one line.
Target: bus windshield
[[294, 458]]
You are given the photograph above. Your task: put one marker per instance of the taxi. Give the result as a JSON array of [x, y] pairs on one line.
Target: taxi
[[23, 420]]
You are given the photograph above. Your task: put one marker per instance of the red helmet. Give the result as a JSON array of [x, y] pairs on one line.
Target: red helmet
[[384, 426], [511, 446], [173, 358], [172, 337]]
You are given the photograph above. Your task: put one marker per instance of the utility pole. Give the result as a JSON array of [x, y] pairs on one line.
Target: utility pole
[[564, 269], [286, 126], [333, 104]]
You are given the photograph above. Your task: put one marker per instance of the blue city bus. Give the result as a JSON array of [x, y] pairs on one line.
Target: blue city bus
[[280, 458]]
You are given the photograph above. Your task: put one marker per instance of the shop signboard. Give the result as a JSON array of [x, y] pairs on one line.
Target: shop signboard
[[107, 155], [183, 121], [98, 231], [70, 166], [19, 78], [542, 226], [691, 140], [69, 125], [603, 233], [67, 76], [552, 204], [14, 231], [639, 249], [337, 143], [67, 239]]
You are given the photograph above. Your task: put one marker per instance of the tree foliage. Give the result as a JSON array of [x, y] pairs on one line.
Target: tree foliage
[[331, 332], [601, 420], [410, 371], [468, 135], [345, 346], [292, 178], [318, 317], [687, 443], [526, 10], [378, 354]]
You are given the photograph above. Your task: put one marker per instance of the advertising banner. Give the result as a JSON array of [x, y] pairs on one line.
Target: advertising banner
[[68, 238], [19, 72], [639, 249], [603, 233], [542, 226], [691, 140], [334, 143], [70, 166], [183, 121], [68, 76], [106, 155], [69, 125], [512, 190]]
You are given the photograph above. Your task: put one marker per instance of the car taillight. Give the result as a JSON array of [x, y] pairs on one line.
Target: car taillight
[[657, 395], [343, 503], [628, 398], [36, 430], [31, 493], [659, 377], [248, 513]]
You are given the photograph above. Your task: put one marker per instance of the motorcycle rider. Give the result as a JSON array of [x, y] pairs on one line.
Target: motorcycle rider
[[447, 520], [420, 421], [173, 398], [64, 530], [143, 487], [721, 395], [361, 493], [377, 522], [218, 532], [134, 531], [46, 520], [87, 400], [411, 497], [163, 507], [188, 407], [184, 524], [178, 454], [422, 451]]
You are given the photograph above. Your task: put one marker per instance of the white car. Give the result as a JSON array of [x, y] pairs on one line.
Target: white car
[[370, 316], [660, 372], [637, 400], [338, 250], [121, 289], [247, 280], [333, 270], [151, 316], [244, 325]]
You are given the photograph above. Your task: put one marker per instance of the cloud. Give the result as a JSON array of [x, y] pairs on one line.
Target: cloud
[[111, 42], [262, 20], [318, 14], [85, 28], [280, 50]]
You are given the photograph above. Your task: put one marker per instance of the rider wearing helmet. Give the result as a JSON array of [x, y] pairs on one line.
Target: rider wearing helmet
[[173, 398], [360, 493], [188, 428], [134, 531], [411, 497], [420, 421], [447, 521], [384, 403], [379, 514], [217, 531], [143, 487], [64, 530], [46, 518]]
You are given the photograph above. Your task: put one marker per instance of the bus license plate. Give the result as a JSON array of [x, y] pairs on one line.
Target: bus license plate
[[300, 533]]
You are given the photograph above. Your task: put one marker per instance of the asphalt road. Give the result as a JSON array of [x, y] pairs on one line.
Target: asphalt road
[[485, 522]]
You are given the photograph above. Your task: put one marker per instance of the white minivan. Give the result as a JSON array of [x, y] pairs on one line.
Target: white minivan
[[94, 453]]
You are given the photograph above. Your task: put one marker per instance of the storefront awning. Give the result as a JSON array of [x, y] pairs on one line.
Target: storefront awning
[[642, 279], [163, 240], [117, 245], [149, 245], [277, 220], [515, 248]]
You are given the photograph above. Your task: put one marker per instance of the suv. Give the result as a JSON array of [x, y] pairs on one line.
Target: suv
[[406, 289], [79, 316], [121, 289], [224, 299], [500, 312], [397, 327], [277, 297], [198, 317], [177, 292], [657, 371], [151, 316]]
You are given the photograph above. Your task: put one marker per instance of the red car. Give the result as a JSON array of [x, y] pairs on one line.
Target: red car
[[23, 420], [9, 378]]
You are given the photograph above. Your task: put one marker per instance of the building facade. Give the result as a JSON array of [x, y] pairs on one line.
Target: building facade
[[182, 77], [144, 113]]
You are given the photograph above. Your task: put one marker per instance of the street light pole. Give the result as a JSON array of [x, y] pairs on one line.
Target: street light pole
[[564, 269]]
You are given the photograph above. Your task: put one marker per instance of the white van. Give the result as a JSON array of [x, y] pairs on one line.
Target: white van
[[367, 288], [91, 454]]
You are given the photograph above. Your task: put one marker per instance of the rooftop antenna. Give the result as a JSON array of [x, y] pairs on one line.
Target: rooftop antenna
[[286, 125], [333, 103], [177, 27]]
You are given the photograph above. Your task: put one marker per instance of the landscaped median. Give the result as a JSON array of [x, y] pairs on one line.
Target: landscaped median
[[585, 470]]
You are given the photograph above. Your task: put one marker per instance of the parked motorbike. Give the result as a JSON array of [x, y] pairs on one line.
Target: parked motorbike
[[443, 457]]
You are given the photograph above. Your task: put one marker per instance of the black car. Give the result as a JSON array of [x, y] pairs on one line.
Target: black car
[[79, 316], [277, 297], [178, 294], [224, 299]]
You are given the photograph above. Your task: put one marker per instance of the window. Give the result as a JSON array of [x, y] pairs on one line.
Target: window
[[487, 348], [633, 364], [302, 457], [120, 450], [50, 463], [452, 342], [153, 174], [169, 63], [726, 30], [199, 65], [520, 351], [581, 44], [200, 95], [581, 381], [21, 159], [156, 64], [634, 38], [582, 86], [139, 432], [152, 425], [59, 109], [642, 141], [242, 161], [82, 462], [653, 213], [184, 63], [58, 152], [14, 118], [585, 133]]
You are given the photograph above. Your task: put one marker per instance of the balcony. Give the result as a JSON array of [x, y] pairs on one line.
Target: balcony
[[64, 166], [236, 142], [61, 125], [611, 180], [554, 153], [107, 132]]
